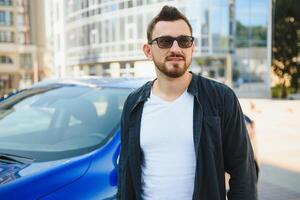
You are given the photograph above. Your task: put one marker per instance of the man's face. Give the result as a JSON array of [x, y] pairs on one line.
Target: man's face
[[173, 62]]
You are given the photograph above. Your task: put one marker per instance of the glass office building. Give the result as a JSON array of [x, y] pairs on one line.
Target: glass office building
[[105, 37]]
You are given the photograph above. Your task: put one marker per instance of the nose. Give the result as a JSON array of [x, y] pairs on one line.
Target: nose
[[175, 47]]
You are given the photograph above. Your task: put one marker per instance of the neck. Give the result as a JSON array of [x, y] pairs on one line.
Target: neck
[[170, 88]]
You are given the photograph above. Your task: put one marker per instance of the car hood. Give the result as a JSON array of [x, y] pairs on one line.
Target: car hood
[[38, 179]]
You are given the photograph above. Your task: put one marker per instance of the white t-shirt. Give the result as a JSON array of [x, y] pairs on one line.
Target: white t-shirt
[[166, 139]]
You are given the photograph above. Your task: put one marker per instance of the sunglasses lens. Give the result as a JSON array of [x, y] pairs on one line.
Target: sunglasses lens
[[165, 42], [185, 41]]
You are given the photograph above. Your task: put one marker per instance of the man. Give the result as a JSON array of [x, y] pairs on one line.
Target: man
[[180, 133]]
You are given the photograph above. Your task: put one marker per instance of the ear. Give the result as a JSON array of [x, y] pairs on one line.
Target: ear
[[147, 51]]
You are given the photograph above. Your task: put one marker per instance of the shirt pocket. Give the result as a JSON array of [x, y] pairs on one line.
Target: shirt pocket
[[212, 132]]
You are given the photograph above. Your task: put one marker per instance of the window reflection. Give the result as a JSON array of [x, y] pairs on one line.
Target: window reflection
[[250, 64]]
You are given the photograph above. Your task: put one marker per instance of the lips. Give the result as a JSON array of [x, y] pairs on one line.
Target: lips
[[177, 58]]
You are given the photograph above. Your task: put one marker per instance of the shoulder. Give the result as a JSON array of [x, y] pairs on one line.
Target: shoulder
[[138, 94], [216, 98], [214, 89]]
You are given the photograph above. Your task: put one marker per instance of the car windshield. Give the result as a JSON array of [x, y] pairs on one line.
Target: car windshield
[[59, 121]]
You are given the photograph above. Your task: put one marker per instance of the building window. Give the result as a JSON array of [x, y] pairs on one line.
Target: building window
[[5, 60], [121, 5], [130, 31], [25, 60], [114, 25], [99, 29], [6, 18], [6, 36], [5, 3], [140, 27], [94, 36], [129, 4], [106, 27], [92, 70], [139, 2], [122, 29]]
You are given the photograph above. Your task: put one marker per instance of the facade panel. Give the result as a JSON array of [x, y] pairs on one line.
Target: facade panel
[[21, 44]]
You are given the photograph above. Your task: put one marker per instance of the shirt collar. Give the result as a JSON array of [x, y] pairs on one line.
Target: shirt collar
[[193, 89]]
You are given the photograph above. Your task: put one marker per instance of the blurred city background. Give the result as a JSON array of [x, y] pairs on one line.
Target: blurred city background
[[251, 45]]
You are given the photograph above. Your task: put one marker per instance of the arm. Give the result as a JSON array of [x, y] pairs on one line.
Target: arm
[[238, 153]]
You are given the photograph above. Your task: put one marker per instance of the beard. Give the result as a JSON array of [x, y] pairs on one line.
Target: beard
[[173, 70]]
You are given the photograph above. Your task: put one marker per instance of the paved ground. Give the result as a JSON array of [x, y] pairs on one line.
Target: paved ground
[[278, 184], [268, 191], [278, 135]]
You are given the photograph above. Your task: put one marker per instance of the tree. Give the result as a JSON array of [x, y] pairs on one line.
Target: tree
[[286, 43]]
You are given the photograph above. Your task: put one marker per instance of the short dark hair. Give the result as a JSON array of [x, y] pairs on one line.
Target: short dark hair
[[167, 13]]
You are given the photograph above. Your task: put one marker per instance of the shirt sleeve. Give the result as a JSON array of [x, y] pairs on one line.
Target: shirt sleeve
[[238, 154]]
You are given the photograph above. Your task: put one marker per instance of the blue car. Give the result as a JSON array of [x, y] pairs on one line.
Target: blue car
[[61, 139]]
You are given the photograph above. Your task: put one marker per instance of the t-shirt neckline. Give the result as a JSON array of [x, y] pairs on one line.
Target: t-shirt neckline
[[168, 102]]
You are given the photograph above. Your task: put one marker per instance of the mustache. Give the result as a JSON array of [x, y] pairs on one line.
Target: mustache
[[174, 55]]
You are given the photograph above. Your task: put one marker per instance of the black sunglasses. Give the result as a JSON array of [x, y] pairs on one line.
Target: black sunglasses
[[165, 42]]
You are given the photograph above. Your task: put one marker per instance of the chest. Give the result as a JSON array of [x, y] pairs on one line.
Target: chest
[[167, 124]]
